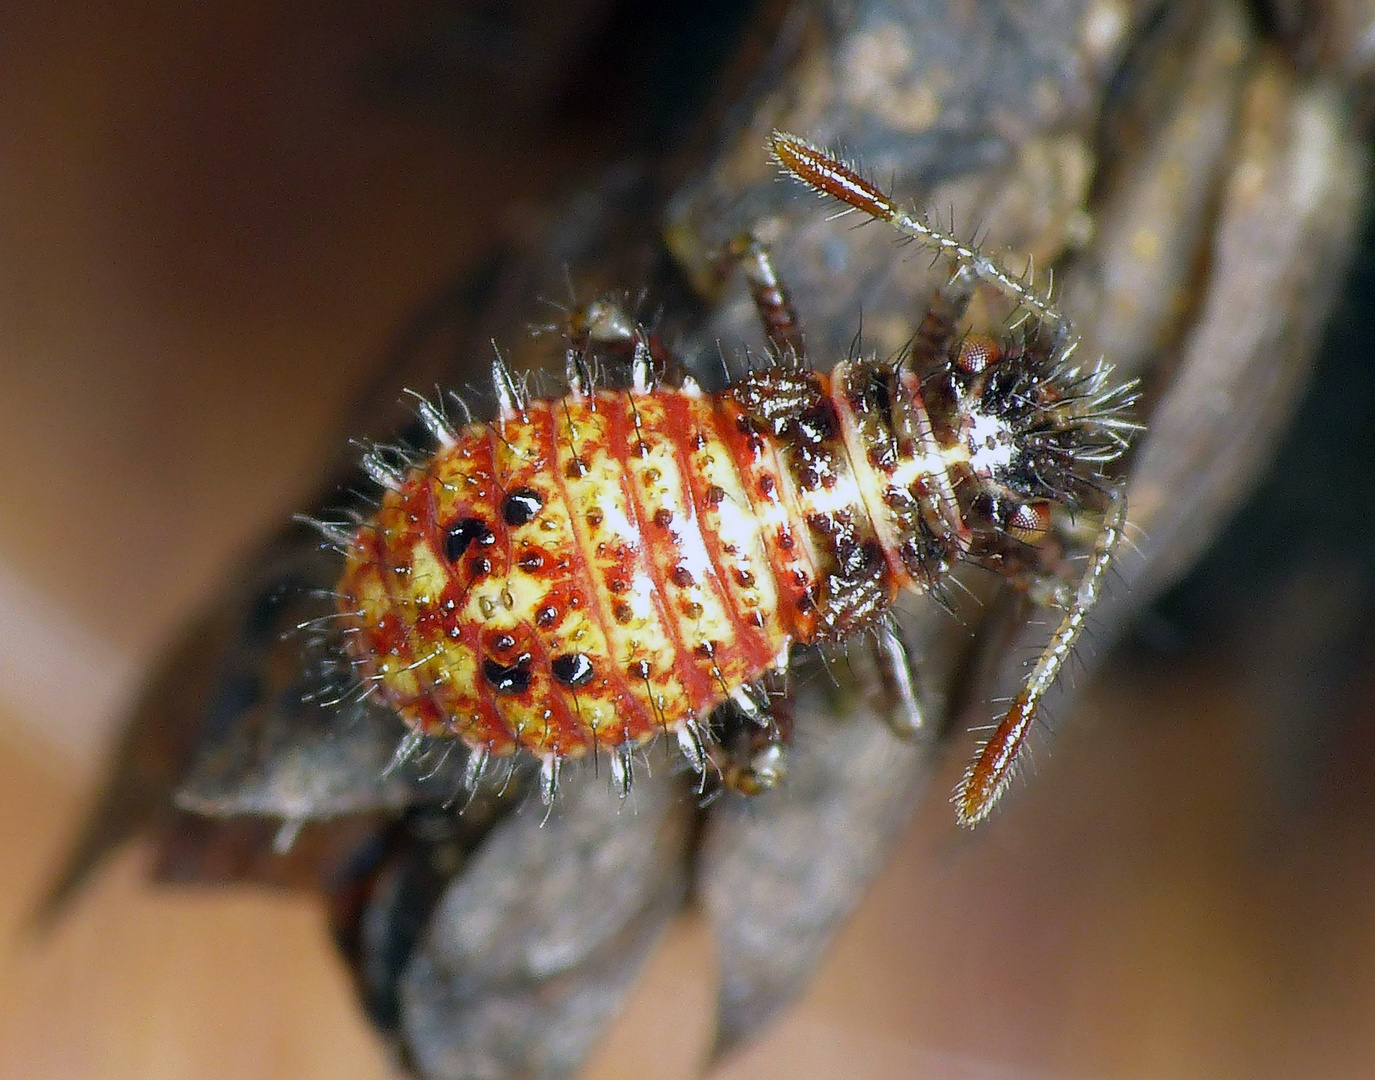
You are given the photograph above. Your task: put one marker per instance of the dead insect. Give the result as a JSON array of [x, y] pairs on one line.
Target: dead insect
[[630, 558]]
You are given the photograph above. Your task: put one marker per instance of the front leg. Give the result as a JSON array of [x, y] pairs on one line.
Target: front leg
[[771, 298]]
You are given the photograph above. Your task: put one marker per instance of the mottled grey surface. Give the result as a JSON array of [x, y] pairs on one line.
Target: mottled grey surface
[[534, 945]]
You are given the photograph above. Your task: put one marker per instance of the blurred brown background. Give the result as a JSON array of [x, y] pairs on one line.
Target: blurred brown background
[[212, 223]]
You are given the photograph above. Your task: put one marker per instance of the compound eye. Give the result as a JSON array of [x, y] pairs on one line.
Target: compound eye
[[978, 352], [1029, 522]]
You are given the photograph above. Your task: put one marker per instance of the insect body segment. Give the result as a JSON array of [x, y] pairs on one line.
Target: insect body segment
[[587, 572], [592, 572], [546, 583]]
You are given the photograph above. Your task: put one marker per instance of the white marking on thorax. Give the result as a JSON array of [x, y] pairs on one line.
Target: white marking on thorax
[[990, 443]]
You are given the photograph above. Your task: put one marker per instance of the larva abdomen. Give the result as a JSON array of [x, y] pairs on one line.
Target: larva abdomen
[[586, 573]]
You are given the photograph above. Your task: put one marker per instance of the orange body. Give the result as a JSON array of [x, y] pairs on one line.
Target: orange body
[[590, 572]]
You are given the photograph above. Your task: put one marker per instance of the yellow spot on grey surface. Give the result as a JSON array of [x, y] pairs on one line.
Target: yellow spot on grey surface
[[1145, 243], [880, 76]]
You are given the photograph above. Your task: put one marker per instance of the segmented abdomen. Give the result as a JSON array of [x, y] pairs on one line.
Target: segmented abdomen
[[591, 570], [597, 569]]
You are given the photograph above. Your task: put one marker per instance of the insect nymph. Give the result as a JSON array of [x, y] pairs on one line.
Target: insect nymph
[[587, 572]]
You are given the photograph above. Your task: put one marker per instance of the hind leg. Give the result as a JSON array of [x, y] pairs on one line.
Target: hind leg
[[608, 346], [750, 745]]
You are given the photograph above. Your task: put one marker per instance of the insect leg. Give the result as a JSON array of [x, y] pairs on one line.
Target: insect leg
[[771, 298], [895, 670], [757, 759], [603, 328], [601, 323], [988, 776], [940, 326]]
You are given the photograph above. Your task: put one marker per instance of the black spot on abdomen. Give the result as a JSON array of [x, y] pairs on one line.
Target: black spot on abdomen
[[508, 678], [462, 535], [521, 505], [572, 669]]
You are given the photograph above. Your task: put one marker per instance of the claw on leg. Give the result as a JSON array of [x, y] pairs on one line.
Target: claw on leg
[[763, 769]]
